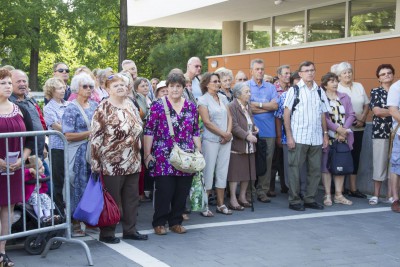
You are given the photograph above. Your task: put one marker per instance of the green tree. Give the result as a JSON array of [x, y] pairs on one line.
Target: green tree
[[180, 46]]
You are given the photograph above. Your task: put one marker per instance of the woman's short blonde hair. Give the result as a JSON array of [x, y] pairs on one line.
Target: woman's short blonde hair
[[51, 85]]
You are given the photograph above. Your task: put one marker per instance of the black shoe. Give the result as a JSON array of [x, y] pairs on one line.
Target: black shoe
[[357, 194], [297, 207], [285, 190], [135, 236], [314, 205], [109, 239]]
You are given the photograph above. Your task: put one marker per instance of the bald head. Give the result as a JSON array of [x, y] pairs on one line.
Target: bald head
[[194, 67]]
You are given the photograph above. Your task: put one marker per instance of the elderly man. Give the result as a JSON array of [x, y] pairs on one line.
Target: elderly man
[[281, 85], [240, 77], [19, 96], [306, 134], [130, 66], [61, 70], [193, 71], [263, 104]]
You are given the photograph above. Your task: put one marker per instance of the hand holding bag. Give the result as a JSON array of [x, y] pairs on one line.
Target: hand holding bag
[[110, 214], [340, 161], [91, 204], [189, 162]]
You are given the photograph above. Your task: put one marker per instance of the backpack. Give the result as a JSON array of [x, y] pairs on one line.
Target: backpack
[[297, 99]]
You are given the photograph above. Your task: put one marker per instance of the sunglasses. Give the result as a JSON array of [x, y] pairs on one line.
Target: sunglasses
[[385, 73], [62, 70], [86, 86]]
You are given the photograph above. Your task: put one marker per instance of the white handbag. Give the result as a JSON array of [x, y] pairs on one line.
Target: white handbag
[[189, 162]]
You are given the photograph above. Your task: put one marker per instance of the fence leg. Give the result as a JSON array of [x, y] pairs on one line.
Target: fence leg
[[75, 241]]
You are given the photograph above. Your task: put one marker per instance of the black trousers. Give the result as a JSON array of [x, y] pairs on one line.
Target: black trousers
[[170, 198], [277, 166], [57, 169], [357, 145]]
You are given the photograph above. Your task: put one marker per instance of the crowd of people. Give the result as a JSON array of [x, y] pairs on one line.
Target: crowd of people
[[116, 125]]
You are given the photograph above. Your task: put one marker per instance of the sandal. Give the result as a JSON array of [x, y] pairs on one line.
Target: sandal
[[244, 204], [342, 200], [238, 208], [207, 213], [224, 210], [373, 200], [5, 260], [327, 200]]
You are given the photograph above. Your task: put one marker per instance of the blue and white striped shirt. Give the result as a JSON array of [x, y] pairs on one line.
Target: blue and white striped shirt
[[306, 118]]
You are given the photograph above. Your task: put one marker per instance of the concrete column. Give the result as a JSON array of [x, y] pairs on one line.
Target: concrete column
[[230, 37]]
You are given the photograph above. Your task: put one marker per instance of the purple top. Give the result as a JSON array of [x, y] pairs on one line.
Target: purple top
[[185, 126]]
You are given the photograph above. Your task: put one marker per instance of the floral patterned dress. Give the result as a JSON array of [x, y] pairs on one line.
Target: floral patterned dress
[[185, 126], [73, 122]]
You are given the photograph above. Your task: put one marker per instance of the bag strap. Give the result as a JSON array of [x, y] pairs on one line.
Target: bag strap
[[168, 114], [85, 117]]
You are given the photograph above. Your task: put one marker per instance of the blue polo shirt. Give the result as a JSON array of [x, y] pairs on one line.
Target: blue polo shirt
[[264, 93]]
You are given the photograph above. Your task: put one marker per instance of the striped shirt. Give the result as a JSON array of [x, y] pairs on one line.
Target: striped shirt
[[306, 118], [53, 113]]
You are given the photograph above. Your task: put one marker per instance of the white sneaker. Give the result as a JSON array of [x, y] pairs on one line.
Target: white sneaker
[[388, 201]]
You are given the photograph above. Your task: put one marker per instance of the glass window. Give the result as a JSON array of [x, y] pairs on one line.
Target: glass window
[[371, 16], [326, 23], [257, 34], [289, 29]]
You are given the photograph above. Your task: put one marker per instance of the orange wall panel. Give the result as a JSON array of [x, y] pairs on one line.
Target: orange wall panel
[[334, 53], [296, 56], [378, 49], [238, 62]]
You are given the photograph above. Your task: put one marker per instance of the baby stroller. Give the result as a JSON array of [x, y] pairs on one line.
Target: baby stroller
[[35, 244]]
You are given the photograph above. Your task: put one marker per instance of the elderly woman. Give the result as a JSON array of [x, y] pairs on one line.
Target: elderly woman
[[76, 128], [242, 164], [171, 185], [226, 78], [359, 101], [217, 138], [54, 90], [115, 140], [339, 120], [381, 125], [12, 119], [141, 87], [161, 90]]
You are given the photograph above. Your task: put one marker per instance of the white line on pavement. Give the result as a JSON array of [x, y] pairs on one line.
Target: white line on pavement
[[146, 260]]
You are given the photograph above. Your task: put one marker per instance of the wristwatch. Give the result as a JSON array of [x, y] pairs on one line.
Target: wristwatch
[[260, 105], [326, 132]]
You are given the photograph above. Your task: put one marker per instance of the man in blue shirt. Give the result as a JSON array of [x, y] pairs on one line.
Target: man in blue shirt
[[263, 103]]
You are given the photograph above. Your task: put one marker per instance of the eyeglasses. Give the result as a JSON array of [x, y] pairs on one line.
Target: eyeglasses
[[62, 70], [308, 71], [242, 80], [86, 86], [216, 81], [385, 73]]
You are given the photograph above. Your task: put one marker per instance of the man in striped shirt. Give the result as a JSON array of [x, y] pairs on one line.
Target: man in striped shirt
[[307, 135]]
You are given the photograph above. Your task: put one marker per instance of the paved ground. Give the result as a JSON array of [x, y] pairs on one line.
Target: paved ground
[[273, 235]]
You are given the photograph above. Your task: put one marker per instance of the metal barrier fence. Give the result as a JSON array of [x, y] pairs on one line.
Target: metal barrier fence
[[55, 240]]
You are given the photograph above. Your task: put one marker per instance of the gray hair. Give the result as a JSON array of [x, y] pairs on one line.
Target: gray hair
[[127, 61], [101, 74], [20, 71], [80, 79], [192, 59], [342, 66], [280, 68], [224, 72], [256, 60], [237, 89]]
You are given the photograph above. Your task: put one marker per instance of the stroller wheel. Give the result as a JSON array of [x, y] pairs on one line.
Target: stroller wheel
[[32, 246], [54, 244]]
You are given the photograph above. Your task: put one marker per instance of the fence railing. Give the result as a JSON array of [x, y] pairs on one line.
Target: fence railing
[[62, 226]]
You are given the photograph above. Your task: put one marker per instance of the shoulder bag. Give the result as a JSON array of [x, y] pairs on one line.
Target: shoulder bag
[[181, 160], [86, 119], [340, 161]]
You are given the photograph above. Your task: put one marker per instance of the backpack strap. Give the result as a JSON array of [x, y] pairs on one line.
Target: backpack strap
[[297, 99]]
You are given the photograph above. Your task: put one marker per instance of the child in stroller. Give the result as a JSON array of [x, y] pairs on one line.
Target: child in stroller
[[36, 192]]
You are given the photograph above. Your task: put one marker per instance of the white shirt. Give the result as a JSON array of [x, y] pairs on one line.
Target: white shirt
[[393, 100], [358, 99], [306, 118]]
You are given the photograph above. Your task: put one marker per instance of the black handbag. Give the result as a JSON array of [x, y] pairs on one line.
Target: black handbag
[[340, 161], [261, 156]]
